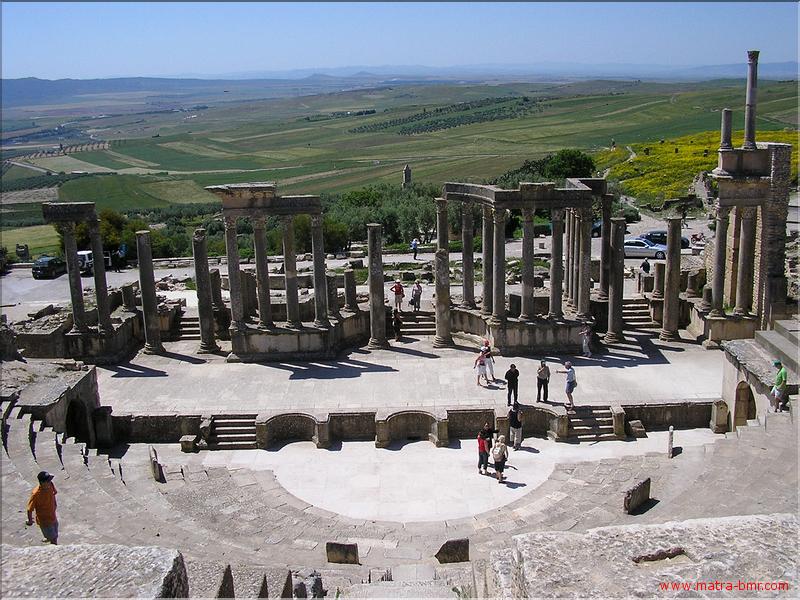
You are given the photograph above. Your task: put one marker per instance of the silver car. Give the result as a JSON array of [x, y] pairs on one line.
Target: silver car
[[641, 248]]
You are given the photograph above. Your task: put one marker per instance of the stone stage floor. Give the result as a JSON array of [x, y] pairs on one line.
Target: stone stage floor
[[417, 481], [410, 374]]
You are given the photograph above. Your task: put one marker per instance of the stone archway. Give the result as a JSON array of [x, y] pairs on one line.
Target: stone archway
[[77, 422], [745, 405]]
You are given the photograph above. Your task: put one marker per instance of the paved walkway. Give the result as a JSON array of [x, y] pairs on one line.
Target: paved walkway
[[410, 374]]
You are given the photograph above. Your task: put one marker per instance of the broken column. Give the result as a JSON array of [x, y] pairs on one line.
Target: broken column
[[350, 295], [747, 256], [128, 297], [467, 256], [672, 282], [104, 325], [725, 130], [556, 263], [605, 245], [332, 300], [262, 272], [658, 280], [74, 273], [488, 260], [321, 281], [442, 273], [290, 273], [750, 101], [585, 265], [147, 286], [528, 254], [202, 280], [499, 295], [616, 272], [377, 312], [234, 275], [718, 277]]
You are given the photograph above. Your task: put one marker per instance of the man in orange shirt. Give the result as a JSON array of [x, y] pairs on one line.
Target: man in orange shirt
[[43, 501]]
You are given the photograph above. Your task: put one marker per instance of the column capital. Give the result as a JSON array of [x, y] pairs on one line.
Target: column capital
[[722, 212], [747, 213], [557, 214], [527, 214], [286, 220], [67, 228], [441, 204], [316, 220], [94, 226], [752, 55], [499, 216], [487, 212], [199, 234], [259, 222], [585, 213], [229, 221]]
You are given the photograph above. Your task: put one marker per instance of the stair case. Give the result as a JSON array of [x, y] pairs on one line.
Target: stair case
[[591, 424], [636, 314], [188, 328], [417, 324], [233, 432]]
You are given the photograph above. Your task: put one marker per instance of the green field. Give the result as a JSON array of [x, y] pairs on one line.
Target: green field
[[41, 239]]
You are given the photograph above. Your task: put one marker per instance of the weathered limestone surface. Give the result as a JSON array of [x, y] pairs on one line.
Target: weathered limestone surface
[[102, 571], [377, 312], [147, 285], [202, 277], [601, 561], [636, 496]]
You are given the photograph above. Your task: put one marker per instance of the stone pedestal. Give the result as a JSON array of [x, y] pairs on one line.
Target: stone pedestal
[[377, 312], [202, 278], [672, 281], [147, 285], [350, 295]]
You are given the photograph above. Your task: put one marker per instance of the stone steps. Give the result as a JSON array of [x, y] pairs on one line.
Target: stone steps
[[591, 423], [779, 346], [233, 432], [188, 328]]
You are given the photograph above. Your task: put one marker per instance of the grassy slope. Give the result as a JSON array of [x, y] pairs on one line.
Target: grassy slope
[[41, 239]]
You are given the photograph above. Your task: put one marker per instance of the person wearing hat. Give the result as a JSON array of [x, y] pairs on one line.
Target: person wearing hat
[[399, 293], [43, 502], [779, 398]]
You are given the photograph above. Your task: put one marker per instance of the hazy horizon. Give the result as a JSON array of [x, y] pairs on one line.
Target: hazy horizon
[[102, 40]]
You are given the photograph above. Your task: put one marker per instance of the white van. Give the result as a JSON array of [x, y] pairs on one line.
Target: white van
[[86, 261]]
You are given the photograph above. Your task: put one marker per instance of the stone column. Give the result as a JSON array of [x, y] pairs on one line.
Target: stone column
[[75, 285], [487, 242], [147, 286], [528, 253], [672, 282], [442, 273], [290, 273], [568, 255], [616, 280], [467, 256], [585, 264], [499, 295], [234, 276], [575, 258], [377, 312], [605, 246], [556, 263], [707, 296], [129, 297], [658, 280], [202, 279], [725, 130], [750, 101], [332, 298], [350, 296], [692, 290], [104, 325], [747, 251], [443, 337], [720, 247], [262, 273], [321, 307], [216, 290]]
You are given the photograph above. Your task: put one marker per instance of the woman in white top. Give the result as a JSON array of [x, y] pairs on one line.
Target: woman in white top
[[480, 364], [572, 383]]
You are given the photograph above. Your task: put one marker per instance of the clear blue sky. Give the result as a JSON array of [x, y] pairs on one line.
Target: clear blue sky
[[84, 40]]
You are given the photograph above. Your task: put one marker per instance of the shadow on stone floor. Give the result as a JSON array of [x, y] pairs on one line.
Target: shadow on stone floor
[[184, 358], [133, 370], [339, 369]]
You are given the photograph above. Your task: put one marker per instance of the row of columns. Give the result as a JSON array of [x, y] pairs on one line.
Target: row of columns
[[579, 260], [746, 261], [321, 317]]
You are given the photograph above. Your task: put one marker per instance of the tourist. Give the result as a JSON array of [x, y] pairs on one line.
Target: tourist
[[399, 294], [499, 457], [414, 246], [512, 383], [480, 364], [483, 454], [488, 433], [397, 323], [515, 424], [572, 383], [542, 380], [43, 502], [645, 266], [779, 398], [684, 210], [486, 349], [586, 337], [416, 295]]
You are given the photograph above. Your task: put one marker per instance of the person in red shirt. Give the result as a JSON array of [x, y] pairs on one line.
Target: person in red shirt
[[483, 455], [399, 294], [43, 502]]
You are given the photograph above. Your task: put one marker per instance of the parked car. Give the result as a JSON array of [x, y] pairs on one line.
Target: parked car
[[638, 247], [86, 261], [660, 237], [597, 229], [46, 267]]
